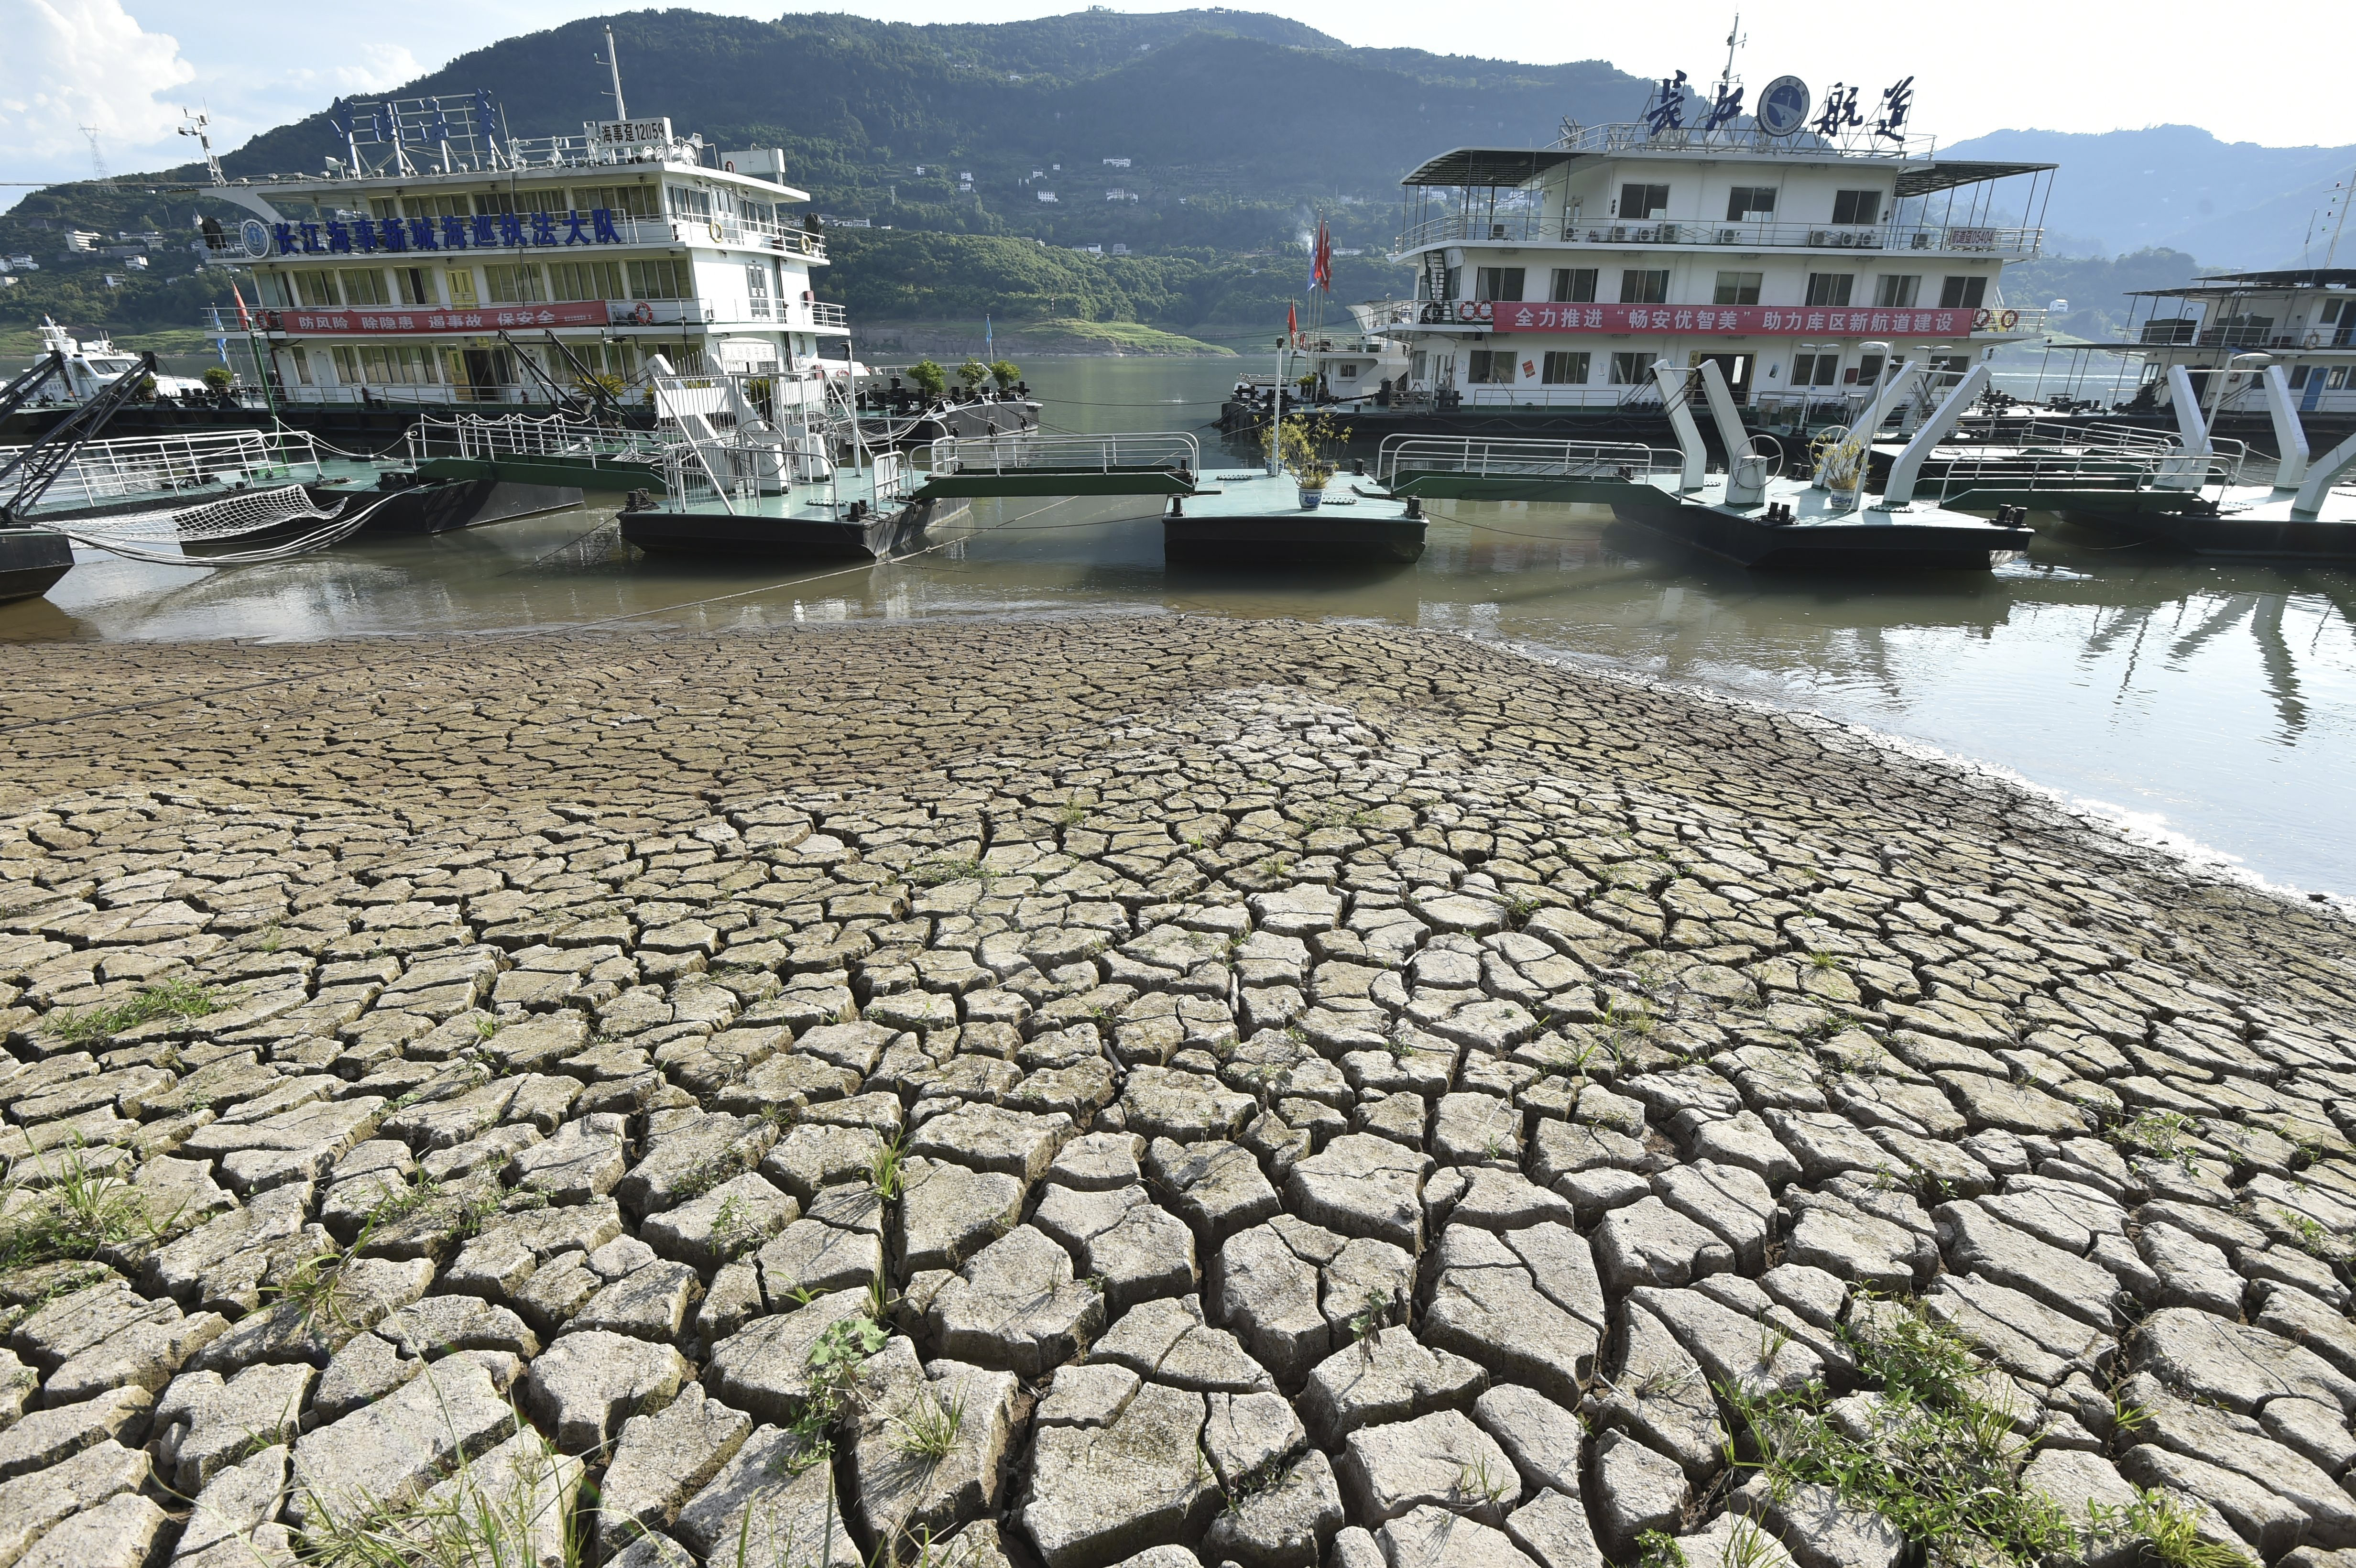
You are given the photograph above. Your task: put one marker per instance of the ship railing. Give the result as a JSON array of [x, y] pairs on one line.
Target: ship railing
[[1485, 457], [1965, 469], [1539, 228], [1066, 454], [528, 435], [2114, 440], [104, 471], [1638, 135]]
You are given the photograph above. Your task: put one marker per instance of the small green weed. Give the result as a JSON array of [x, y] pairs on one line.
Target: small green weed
[[2163, 1134], [884, 1169], [928, 1428], [80, 1210], [172, 998]]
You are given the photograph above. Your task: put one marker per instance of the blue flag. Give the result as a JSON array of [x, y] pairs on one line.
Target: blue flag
[[987, 340]]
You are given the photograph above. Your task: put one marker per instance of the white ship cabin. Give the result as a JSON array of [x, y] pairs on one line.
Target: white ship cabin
[[2222, 328], [1802, 262], [434, 261]]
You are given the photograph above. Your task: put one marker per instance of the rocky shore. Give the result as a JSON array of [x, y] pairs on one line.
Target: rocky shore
[[1144, 1092]]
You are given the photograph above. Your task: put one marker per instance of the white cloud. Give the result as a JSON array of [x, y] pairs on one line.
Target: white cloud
[[71, 63]]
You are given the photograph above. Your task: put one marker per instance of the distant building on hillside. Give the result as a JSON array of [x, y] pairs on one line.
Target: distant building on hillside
[[1048, 195], [1116, 163]]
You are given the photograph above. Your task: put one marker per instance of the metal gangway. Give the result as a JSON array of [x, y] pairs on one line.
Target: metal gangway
[[1471, 467], [162, 468], [1149, 463], [474, 437], [727, 455]]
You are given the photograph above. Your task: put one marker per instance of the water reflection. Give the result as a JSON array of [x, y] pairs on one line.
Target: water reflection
[[2216, 700]]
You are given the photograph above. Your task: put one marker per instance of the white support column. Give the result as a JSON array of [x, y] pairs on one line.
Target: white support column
[[1722, 412], [1877, 408], [1909, 465], [2190, 421], [1673, 399], [2290, 436], [2321, 478]]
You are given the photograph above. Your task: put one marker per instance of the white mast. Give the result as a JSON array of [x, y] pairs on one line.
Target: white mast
[[613, 60]]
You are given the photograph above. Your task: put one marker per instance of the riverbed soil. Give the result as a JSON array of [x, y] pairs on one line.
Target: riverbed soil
[[1145, 1090]]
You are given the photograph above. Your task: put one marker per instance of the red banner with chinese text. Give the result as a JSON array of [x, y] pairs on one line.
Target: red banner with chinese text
[[420, 319], [1747, 320]]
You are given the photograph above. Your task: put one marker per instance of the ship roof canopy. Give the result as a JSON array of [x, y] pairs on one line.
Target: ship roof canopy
[[1518, 165], [1490, 165], [2236, 283], [1946, 174]]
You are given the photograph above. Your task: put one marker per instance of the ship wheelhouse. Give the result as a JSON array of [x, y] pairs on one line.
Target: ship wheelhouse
[[1558, 276], [2222, 328], [440, 276]]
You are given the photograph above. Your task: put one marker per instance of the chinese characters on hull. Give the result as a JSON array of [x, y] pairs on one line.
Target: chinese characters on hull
[[485, 231]]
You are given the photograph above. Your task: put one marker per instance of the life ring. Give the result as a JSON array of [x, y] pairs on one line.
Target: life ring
[[1474, 310], [715, 227], [1981, 320], [644, 316], [2011, 319]]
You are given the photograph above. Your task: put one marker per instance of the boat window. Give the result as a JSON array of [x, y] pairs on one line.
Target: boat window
[[462, 286], [1736, 288], [1630, 368], [271, 287], [1347, 372], [638, 200], [302, 358], [112, 367], [491, 202], [314, 288], [1815, 369], [1897, 288], [1574, 285], [1961, 293], [1856, 206], [415, 285], [364, 286], [585, 281], [1497, 283], [516, 285], [1491, 367], [1829, 288], [1745, 202], [435, 206], [2298, 375], [1640, 201], [690, 201], [665, 279], [1640, 285], [1564, 368]]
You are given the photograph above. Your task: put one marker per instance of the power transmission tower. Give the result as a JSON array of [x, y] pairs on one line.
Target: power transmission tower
[[97, 161]]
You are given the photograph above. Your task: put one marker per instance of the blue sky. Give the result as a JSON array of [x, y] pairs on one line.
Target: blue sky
[[128, 65]]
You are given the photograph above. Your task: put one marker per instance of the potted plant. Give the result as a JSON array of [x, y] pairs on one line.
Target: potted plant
[[930, 378], [1005, 372], [973, 373], [1841, 460], [1308, 447]]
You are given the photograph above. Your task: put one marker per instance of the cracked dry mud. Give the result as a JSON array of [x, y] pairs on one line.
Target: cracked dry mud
[[1136, 1091]]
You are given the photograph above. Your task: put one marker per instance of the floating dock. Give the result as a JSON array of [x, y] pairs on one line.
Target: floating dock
[[1249, 517], [31, 561]]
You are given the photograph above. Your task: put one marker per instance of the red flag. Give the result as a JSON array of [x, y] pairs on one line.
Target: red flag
[[1320, 260], [244, 322], [1292, 323]]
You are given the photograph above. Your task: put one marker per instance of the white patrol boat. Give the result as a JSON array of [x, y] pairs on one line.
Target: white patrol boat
[[437, 260], [1803, 248]]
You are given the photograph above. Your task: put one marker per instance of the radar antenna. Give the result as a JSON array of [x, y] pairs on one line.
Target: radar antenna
[[1735, 38], [197, 123]]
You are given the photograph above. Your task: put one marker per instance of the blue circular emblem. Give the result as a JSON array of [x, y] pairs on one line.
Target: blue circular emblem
[[1783, 107], [255, 235]]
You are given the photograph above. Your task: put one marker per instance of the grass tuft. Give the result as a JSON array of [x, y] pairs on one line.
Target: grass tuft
[[928, 1428], [80, 1210], [172, 998]]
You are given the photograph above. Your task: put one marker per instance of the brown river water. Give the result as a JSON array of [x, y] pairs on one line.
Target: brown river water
[[2209, 705]]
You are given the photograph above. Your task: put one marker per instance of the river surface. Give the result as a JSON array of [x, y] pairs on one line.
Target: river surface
[[2208, 705]]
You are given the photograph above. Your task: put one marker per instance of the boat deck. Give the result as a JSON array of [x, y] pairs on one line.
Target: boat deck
[[2253, 520], [1820, 532]]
